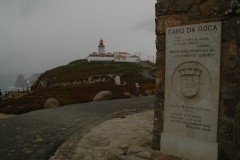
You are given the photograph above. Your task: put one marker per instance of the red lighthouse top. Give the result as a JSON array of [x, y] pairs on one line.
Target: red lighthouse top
[[101, 42]]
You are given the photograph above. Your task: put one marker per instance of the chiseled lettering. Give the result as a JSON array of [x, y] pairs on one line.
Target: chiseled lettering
[[175, 31], [207, 28], [189, 30]]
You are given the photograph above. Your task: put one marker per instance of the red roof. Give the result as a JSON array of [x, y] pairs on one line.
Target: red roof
[[94, 53], [134, 56], [109, 53], [122, 52]]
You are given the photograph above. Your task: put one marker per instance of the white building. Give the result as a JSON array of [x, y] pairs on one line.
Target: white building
[[116, 56]]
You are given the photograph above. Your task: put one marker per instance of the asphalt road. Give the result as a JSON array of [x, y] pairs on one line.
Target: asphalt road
[[145, 72], [38, 134]]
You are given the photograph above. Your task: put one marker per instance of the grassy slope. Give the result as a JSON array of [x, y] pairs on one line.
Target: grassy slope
[[130, 72], [81, 68]]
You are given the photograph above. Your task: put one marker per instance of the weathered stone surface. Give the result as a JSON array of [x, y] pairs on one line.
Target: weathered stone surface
[[162, 22], [229, 107], [233, 49], [159, 82], [231, 62], [230, 28], [229, 76], [214, 8], [183, 5], [207, 9], [225, 130], [103, 95], [159, 73], [228, 91], [160, 58], [161, 42], [51, 103], [156, 142], [194, 13], [161, 7]]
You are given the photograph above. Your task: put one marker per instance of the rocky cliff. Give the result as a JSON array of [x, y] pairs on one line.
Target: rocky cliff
[[31, 80], [20, 81]]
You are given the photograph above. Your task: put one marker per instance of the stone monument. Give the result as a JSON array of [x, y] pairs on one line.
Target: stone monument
[[192, 91], [189, 86], [117, 80]]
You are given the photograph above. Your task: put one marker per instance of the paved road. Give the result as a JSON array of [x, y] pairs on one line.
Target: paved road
[[38, 134], [145, 72]]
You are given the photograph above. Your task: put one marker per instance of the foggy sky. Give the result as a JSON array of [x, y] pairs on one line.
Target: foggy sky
[[38, 35]]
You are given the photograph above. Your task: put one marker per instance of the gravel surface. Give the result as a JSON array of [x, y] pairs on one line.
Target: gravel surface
[[38, 134]]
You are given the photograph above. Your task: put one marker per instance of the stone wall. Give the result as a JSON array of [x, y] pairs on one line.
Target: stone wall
[[171, 13]]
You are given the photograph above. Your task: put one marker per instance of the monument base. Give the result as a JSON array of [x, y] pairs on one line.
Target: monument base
[[191, 149]]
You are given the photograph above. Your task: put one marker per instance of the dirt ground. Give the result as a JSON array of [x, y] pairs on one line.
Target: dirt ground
[[4, 116]]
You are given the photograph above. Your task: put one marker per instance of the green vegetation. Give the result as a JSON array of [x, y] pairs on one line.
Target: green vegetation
[[130, 73], [82, 68]]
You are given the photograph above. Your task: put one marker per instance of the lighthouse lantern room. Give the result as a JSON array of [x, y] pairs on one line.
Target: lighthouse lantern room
[[101, 48]]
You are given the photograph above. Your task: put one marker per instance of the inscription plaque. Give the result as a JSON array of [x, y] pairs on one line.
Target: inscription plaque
[[192, 90]]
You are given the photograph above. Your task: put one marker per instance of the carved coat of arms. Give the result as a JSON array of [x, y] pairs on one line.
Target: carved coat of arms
[[190, 81]]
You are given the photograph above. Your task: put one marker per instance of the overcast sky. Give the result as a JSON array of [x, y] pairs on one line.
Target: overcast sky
[[38, 35]]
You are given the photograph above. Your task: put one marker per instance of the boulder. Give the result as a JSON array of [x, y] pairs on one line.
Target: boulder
[[51, 103], [148, 92], [103, 95], [127, 94]]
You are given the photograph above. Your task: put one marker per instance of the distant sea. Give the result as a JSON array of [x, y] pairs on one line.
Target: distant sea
[[7, 82]]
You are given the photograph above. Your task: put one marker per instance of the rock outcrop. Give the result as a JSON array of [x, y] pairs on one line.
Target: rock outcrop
[[20, 81], [103, 95]]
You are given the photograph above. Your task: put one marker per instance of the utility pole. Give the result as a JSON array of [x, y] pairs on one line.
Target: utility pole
[[153, 59]]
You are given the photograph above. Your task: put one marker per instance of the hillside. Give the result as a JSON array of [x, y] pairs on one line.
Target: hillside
[[79, 82], [82, 69]]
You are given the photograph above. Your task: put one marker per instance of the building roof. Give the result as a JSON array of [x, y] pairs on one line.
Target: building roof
[[122, 52], [94, 53], [109, 53], [134, 56]]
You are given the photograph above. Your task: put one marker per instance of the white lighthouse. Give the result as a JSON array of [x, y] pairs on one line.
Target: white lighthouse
[[101, 49]]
